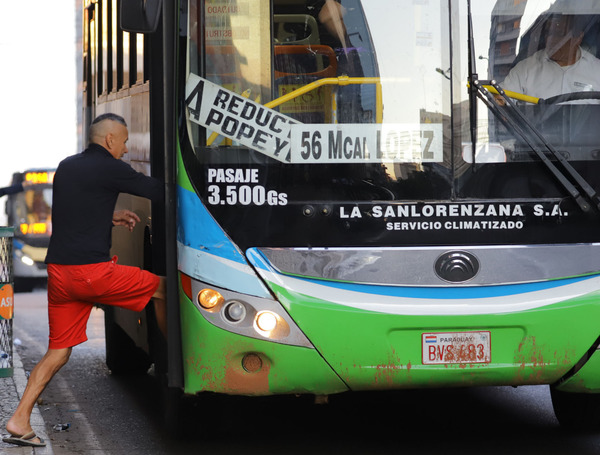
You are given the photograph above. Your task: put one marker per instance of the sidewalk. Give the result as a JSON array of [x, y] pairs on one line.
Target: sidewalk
[[11, 390]]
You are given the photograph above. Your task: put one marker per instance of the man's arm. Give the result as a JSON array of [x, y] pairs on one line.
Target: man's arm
[[128, 180]]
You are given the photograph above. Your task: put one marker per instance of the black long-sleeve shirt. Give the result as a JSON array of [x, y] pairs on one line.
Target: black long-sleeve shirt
[[85, 191]]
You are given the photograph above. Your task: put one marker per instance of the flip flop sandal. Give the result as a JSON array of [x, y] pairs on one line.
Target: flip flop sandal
[[25, 440]]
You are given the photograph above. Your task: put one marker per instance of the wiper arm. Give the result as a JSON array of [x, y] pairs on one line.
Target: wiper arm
[[514, 120], [472, 88]]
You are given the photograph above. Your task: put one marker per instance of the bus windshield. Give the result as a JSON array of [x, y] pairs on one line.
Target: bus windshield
[[352, 107], [32, 211], [544, 54], [375, 105]]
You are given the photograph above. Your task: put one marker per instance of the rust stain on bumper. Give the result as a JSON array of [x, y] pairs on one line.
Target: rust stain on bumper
[[238, 380], [538, 365], [229, 376]]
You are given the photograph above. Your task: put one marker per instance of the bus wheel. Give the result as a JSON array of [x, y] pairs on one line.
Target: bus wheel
[[173, 411], [172, 398], [576, 411], [123, 357]]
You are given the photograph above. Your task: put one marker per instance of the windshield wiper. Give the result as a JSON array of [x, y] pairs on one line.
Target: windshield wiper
[[512, 117], [472, 88], [515, 121]]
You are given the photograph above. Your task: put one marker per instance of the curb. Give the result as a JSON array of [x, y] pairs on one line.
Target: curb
[[37, 422]]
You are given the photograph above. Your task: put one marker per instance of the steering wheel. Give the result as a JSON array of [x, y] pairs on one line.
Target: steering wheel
[[573, 96]]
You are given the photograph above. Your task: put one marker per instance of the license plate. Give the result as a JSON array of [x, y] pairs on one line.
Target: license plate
[[456, 347]]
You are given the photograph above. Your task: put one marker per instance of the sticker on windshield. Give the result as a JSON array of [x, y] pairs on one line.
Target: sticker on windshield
[[240, 119], [278, 136], [367, 143]]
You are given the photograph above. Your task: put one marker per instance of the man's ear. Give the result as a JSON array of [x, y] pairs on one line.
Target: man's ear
[[108, 139]]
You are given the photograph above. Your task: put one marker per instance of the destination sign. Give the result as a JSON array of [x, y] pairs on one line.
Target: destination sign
[[278, 136], [37, 177], [367, 143]]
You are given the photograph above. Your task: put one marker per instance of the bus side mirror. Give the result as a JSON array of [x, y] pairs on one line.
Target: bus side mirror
[[140, 16]]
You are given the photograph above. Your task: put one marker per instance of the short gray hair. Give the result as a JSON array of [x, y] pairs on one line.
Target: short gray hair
[[110, 116], [97, 130]]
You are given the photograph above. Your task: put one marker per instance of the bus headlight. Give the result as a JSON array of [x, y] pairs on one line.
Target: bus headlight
[[24, 258], [266, 321], [27, 260], [248, 315], [271, 325]]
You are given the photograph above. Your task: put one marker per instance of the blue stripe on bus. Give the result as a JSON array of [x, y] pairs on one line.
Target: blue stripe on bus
[[449, 293], [446, 293], [198, 229], [207, 254]]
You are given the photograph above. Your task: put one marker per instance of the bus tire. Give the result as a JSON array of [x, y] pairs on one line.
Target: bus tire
[[172, 401], [576, 411], [173, 411], [123, 357]]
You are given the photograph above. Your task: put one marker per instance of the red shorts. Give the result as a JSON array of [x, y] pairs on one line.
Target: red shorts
[[74, 289]]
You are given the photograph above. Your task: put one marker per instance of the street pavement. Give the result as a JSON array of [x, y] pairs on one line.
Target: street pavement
[[11, 389]]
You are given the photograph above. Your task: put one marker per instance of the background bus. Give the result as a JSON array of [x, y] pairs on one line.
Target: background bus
[[347, 206], [30, 212]]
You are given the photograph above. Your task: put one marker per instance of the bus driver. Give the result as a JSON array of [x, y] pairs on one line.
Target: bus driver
[[561, 67]]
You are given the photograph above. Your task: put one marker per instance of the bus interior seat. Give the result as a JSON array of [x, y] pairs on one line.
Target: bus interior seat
[[298, 65], [313, 60], [295, 29]]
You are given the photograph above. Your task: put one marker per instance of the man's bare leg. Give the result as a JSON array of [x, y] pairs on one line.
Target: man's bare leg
[[40, 376], [160, 305]]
